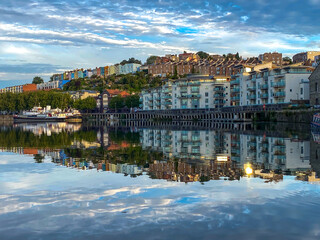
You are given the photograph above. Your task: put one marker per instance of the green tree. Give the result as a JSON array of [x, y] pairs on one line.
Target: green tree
[[203, 55], [116, 102], [237, 56], [86, 104], [151, 59], [132, 101], [37, 80], [131, 60], [287, 59]]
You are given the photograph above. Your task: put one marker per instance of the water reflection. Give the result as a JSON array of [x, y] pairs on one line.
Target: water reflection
[[78, 182], [173, 155]]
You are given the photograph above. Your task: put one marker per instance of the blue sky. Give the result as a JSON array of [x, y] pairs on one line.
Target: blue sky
[[42, 37]]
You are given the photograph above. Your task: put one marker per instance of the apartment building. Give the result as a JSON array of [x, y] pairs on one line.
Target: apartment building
[[268, 85], [275, 58], [315, 87], [195, 91], [20, 88], [52, 85], [305, 56]]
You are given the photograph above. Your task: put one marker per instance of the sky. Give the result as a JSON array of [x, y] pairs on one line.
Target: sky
[[43, 37]]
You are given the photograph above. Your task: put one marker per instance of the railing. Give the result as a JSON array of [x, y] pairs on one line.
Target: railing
[[265, 95], [236, 98], [252, 97], [194, 83], [280, 94], [278, 84], [264, 86], [235, 90], [234, 82], [251, 88]]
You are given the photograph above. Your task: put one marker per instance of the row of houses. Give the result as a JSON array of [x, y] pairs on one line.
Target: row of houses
[[103, 72], [251, 85], [46, 86], [189, 63]]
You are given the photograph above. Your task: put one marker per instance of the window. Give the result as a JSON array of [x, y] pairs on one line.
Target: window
[[290, 90], [301, 90], [206, 94], [316, 87], [207, 100]]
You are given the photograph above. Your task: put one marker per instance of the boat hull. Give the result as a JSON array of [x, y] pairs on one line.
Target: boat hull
[[20, 119]]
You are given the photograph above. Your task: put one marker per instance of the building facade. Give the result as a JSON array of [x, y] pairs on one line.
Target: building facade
[[193, 92], [258, 86], [315, 87], [305, 56], [275, 58]]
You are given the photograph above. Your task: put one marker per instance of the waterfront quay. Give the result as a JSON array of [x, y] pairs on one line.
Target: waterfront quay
[[267, 113]]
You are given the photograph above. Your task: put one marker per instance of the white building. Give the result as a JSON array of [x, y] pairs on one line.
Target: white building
[[48, 85], [188, 93], [257, 86], [129, 68]]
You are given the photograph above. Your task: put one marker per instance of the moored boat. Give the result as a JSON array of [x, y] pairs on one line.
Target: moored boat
[[38, 114]]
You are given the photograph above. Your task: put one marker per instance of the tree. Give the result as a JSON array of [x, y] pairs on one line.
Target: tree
[[132, 101], [86, 104], [37, 80], [237, 56], [151, 59], [203, 55], [131, 60], [116, 102], [287, 59]]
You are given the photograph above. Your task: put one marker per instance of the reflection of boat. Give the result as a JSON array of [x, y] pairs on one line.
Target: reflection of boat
[[38, 114], [316, 120]]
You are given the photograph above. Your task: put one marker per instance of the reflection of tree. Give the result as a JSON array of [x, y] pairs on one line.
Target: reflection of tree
[[19, 138], [38, 158]]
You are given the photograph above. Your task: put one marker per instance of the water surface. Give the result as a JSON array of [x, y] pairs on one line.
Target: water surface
[[61, 181]]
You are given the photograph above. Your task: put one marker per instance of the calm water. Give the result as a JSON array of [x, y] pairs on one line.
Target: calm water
[[61, 181]]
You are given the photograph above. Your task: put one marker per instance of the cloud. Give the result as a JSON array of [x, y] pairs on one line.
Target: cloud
[[124, 27]]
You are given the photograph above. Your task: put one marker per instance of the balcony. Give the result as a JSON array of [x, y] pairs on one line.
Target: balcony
[[195, 89], [183, 90], [167, 90], [264, 96], [183, 96], [219, 102], [167, 97], [195, 96], [195, 83], [235, 90], [219, 89], [236, 98], [280, 94], [264, 86], [168, 103], [183, 84], [252, 97], [251, 89], [218, 96], [235, 82], [280, 84]]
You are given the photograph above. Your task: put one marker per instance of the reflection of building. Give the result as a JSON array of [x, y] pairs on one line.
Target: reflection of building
[[186, 172], [203, 145], [273, 153]]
